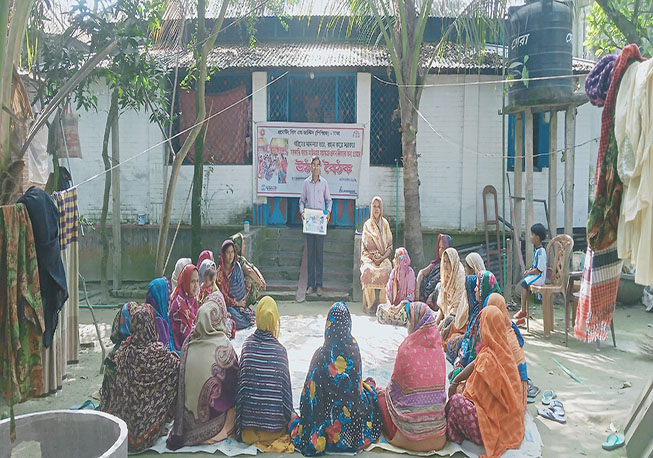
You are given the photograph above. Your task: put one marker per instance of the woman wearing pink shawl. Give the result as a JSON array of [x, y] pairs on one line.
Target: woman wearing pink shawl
[[400, 288], [204, 255], [429, 277], [184, 305]]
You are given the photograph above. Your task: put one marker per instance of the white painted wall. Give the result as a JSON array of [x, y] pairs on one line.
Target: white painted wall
[[459, 154]]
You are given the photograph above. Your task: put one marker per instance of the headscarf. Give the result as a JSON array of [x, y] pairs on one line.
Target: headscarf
[[206, 358], [475, 261], [206, 265], [495, 388], [179, 266], [452, 300], [145, 381], [158, 296], [238, 243], [264, 399], [183, 308], [377, 235], [598, 80], [514, 336], [267, 316], [401, 284], [338, 411], [416, 394], [121, 328], [232, 282], [432, 279], [204, 255]]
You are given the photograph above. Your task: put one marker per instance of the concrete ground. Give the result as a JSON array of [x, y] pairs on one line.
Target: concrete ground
[[613, 377]]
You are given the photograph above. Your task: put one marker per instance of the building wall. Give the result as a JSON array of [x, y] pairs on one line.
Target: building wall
[[459, 148]]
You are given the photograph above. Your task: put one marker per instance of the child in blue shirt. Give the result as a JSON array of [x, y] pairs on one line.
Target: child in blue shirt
[[537, 274]]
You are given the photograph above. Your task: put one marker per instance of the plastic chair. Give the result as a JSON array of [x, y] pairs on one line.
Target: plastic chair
[[571, 302], [559, 250]]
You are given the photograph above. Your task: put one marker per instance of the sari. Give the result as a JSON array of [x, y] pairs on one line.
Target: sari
[[470, 345], [475, 262], [515, 340], [143, 386], [399, 290], [338, 411], [495, 388], [264, 397], [452, 300], [208, 377], [250, 269], [430, 281], [183, 308], [231, 281], [415, 397], [376, 239], [158, 296], [179, 266]]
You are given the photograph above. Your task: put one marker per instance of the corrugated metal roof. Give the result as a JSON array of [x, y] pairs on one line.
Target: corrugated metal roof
[[337, 55]]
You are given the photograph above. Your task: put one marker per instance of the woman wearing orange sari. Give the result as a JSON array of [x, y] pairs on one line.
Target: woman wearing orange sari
[[490, 411], [452, 300], [376, 249]]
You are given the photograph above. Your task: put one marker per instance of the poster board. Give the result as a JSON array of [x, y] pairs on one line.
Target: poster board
[[315, 221]]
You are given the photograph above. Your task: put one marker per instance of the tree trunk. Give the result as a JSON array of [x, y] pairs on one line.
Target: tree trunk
[[113, 113], [161, 249], [413, 216], [115, 206], [198, 168]]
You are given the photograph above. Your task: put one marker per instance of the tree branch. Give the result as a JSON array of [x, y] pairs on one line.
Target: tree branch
[[628, 28]]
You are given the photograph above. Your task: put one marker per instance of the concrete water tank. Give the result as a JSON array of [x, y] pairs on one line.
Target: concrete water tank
[[65, 433]]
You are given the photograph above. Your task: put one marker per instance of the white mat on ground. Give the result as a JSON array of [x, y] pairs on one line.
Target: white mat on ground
[[531, 447], [378, 344]]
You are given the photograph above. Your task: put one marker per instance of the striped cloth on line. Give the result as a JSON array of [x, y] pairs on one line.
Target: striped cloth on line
[[598, 294], [264, 397], [68, 216]]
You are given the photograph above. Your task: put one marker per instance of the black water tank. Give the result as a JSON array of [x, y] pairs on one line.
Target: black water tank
[[540, 33]]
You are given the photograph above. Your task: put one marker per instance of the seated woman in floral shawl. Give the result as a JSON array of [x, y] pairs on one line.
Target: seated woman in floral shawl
[[376, 249], [339, 412], [400, 288], [232, 284], [208, 380], [253, 277], [428, 279]]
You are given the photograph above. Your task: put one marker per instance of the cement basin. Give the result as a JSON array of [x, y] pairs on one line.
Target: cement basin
[[629, 292], [65, 433]]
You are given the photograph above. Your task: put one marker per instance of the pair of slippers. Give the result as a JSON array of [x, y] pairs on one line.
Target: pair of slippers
[[555, 411]]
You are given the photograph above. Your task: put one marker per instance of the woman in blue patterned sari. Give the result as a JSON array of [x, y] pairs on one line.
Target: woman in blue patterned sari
[[339, 412]]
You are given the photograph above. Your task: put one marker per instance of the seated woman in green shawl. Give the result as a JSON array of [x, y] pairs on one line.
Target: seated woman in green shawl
[[253, 277]]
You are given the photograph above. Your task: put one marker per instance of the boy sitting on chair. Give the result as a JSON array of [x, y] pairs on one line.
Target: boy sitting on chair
[[537, 274]]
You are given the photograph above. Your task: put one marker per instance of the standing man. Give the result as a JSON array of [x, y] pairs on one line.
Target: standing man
[[315, 195]]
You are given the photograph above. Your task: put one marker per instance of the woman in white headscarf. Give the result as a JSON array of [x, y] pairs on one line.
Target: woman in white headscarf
[[181, 263]]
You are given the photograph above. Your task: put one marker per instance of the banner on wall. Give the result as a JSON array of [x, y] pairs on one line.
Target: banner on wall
[[283, 153]]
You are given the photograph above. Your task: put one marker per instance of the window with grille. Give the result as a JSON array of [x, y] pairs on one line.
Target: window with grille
[[228, 138], [299, 97], [540, 142], [385, 137]]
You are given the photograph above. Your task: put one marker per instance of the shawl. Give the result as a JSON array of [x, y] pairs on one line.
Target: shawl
[[205, 266], [179, 266], [183, 308], [475, 262], [145, 384], [376, 239], [598, 80], [603, 218], [633, 128], [21, 311], [121, 328], [338, 411], [44, 215], [205, 290], [264, 397], [486, 284], [204, 255], [431, 280], [452, 300], [158, 296], [401, 284], [232, 283], [239, 246], [416, 393], [513, 335], [207, 358], [495, 388]]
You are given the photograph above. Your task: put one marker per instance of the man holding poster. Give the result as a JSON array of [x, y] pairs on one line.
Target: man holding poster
[[316, 196]]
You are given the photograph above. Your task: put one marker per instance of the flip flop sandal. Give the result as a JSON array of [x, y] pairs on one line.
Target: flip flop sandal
[[558, 411], [547, 413], [548, 396], [530, 400], [614, 441], [533, 390]]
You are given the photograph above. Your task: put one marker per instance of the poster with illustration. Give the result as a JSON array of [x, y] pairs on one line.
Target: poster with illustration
[[284, 152], [315, 221]]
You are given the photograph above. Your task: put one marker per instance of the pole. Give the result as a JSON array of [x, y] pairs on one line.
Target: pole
[[115, 207], [570, 127], [528, 133], [553, 174], [396, 198]]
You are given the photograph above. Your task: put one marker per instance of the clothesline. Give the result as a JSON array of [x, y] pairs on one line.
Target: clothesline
[[478, 83], [164, 141]]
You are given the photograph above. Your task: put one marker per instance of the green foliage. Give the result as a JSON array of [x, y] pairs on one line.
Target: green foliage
[[604, 37]]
